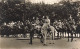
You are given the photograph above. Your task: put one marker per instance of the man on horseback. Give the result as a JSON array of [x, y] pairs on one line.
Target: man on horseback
[[71, 27], [46, 28]]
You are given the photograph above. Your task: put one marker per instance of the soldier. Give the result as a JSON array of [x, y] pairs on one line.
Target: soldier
[[44, 29], [37, 21], [71, 27]]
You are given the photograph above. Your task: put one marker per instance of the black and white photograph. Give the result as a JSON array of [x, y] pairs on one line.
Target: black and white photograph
[[39, 24]]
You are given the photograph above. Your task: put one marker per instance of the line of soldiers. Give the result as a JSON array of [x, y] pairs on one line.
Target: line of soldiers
[[68, 26], [11, 28]]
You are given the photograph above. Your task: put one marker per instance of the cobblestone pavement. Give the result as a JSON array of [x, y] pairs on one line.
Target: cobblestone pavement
[[11, 43]]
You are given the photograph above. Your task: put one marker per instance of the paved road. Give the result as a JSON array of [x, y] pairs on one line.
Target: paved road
[[11, 43]]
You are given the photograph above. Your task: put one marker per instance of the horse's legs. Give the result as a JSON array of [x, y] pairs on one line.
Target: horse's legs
[[79, 34], [7, 35], [24, 35], [34, 31], [31, 36], [58, 34], [65, 34], [75, 34], [41, 39], [54, 35], [15, 35], [2, 35], [30, 39], [71, 37], [68, 37], [62, 34]]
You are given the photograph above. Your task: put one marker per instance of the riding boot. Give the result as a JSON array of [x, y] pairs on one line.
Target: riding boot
[[45, 39], [41, 39]]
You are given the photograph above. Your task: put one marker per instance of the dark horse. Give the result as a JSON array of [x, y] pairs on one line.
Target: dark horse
[[32, 31], [78, 30], [71, 29]]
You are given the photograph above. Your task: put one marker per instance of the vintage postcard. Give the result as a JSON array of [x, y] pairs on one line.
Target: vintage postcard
[[39, 24]]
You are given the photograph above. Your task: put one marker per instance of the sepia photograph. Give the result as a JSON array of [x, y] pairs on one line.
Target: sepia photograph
[[39, 24]]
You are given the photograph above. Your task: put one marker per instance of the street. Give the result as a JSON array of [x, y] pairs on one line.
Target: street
[[11, 43]]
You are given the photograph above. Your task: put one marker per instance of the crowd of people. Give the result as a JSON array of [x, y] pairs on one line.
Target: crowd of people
[[42, 26], [58, 24]]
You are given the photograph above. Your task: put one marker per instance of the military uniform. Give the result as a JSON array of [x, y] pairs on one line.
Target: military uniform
[[44, 29]]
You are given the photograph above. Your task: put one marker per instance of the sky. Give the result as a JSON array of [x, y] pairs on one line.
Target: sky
[[47, 1]]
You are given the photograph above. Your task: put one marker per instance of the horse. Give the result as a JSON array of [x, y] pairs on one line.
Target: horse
[[71, 29], [59, 28], [78, 30], [45, 30], [34, 29]]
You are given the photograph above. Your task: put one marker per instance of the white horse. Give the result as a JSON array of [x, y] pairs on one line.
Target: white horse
[[44, 31]]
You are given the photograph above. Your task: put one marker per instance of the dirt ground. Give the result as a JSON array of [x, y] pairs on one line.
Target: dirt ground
[[15, 43]]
